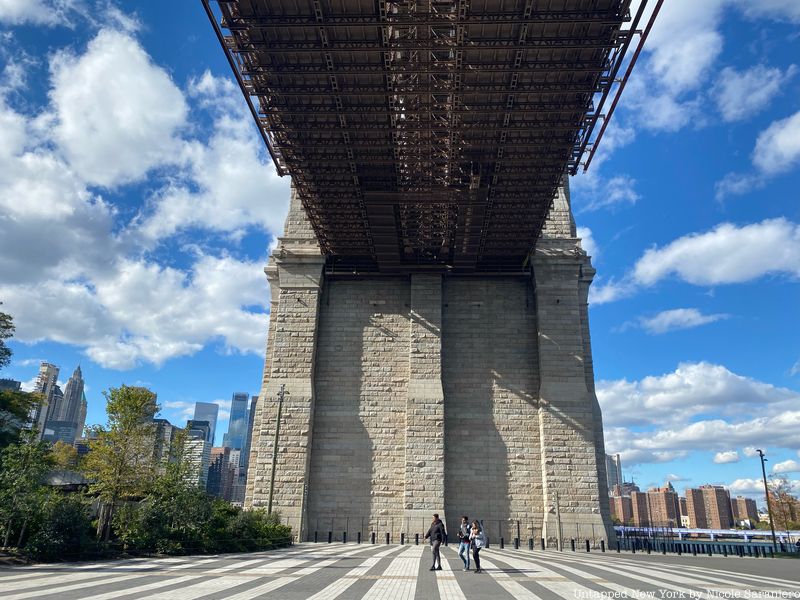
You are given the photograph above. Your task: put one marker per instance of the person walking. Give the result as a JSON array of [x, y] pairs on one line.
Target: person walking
[[463, 541], [436, 533], [478, 542]]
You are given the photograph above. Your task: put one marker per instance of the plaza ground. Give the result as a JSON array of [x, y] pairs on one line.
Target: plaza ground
[[351, 571]]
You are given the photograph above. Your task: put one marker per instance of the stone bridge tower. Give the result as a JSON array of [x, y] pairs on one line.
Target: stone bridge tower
[[419, 393]]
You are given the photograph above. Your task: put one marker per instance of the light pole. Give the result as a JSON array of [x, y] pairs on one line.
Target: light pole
[[766, 491], [275, 448]]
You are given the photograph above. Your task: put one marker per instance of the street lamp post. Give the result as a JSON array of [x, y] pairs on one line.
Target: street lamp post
[[769, 506]]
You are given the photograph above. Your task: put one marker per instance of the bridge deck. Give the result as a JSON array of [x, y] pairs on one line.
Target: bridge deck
[[426, 133]]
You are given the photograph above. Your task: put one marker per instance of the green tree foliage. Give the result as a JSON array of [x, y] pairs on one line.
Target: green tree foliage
[[785, 506], [120, 462], [6, 331], [23, 466], [65, 456], [62, 530], [15, 410]]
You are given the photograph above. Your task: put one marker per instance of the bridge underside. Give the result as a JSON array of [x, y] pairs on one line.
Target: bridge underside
[[426, 135]]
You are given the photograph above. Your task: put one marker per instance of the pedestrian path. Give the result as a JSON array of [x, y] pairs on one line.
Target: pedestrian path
[[367, 572]]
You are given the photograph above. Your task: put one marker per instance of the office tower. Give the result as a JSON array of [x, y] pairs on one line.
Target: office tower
[[613, 471], [199, 429], [164, 450], [197, 452], [207, 411], [65, 422], [663, 507], [45, 385], [237, 424], [82, 415], [248, 441], [222, 473], [10, 384]]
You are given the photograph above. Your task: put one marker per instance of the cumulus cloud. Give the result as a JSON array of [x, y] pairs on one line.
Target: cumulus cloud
[[228, 183], [740, 94], [726, 254], [116, 113], [787, 466], [751, 451], [730, 456], [36, 12], [699, 406], [677, 318], [609, 193], [588, 243], [72, 269], [610, 291]]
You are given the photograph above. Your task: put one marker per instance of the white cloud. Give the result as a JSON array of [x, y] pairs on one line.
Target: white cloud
[[588, 243], [116, 113], [795, 368], [746, 486], [37, 12], [228, 184], [610, 193], [731, 456], [751, 451], [787, 466], [673, 477], [678, 318], [781, 10], [691, 390], [726, 254], [72, 270], [778, 147], [740, 94], [738, 184], [612, 290]]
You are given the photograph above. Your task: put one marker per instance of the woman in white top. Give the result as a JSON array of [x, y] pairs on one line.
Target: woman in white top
[[477, 541]]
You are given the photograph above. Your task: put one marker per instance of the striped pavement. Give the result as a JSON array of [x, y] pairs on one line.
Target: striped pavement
[[367, 572]]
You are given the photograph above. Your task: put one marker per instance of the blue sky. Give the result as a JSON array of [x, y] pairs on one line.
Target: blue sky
[[138, 206]]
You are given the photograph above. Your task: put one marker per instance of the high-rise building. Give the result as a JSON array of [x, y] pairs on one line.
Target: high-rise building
[[67, 412], [663, 507], [696, 508], [207, 411], [46, 383], [640, 509], [197, 452], [613, 471], [744, 511], [717, 502], [237, 424], [10, 384], [222, 473], [164, 450], [622, 509], [251, 415]]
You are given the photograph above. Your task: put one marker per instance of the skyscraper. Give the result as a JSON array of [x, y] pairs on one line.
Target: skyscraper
[[248, 440], [67, 412], [69, 409], [237, 425], [613, 471], [207, 411], [45, 385]]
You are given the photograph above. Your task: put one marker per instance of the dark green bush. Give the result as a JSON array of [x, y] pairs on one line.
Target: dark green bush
[[62, 531]]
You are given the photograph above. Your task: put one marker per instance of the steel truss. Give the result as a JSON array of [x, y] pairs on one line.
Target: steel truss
[[427, 134]]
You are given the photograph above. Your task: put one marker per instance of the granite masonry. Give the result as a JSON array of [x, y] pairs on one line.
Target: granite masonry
[[419, 393]]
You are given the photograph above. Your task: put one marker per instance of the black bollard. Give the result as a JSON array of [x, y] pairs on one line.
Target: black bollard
[[542, 540], [617, 546], [648, 546], [373, 537], [711, 549], [694, 550], [387, 537], [344, 537], [572, 543], [602, 545], [725, 550], [416, 539], [315, 537], [633, 548], [516, 543], [502, 543], [330, 537], [530, 543], [359, 537], [663, 548], [587, 546], [680, 546], [750, 551], [402, 539]]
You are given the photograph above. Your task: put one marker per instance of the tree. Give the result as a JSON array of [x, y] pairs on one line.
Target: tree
[[15, 411], [64, 456], [23, 466], [120, 463], [785, 506], [6, 331]]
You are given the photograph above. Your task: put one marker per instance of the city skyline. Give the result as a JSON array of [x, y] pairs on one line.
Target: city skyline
[[149, 271]]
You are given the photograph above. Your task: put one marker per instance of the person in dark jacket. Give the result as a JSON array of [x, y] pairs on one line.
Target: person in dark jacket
[[437, 534]]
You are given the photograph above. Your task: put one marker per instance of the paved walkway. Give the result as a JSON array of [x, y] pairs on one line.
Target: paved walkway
[[325, 572]]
